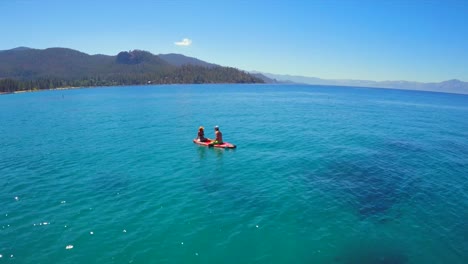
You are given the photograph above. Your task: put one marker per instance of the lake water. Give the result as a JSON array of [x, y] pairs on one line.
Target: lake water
[[320, 175]]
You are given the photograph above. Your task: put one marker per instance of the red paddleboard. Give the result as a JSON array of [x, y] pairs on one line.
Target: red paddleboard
[[208, 144]]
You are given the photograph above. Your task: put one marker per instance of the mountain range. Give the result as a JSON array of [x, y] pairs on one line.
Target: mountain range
[[449, 86], [179, 60], [29, 69], [24, 68]]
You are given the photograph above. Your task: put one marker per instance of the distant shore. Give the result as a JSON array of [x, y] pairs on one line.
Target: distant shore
[[357, 87], [51, 89], [86, 87]]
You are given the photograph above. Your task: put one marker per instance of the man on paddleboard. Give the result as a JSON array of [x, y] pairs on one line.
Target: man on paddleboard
[[219, 137]]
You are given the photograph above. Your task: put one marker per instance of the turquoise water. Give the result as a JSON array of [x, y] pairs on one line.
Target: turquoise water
[[320, 175]]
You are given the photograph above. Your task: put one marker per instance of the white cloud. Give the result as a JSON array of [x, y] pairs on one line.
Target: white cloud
[[185, 42]]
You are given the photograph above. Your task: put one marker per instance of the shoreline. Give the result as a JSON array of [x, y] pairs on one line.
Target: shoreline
[[169, 84], [40, 90], [86, 87]]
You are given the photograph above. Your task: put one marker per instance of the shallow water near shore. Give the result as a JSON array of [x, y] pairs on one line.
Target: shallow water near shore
[[320, 175]]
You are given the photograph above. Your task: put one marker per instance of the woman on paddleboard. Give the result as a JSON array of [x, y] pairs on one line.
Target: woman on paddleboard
[[201, 135]]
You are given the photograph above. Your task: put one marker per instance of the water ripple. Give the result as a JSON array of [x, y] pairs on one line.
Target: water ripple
[[321, 175]]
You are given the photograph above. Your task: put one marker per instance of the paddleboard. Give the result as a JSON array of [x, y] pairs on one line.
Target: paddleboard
[[208, 144]]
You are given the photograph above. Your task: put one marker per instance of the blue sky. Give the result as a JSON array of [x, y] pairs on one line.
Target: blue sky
[[375, 40]]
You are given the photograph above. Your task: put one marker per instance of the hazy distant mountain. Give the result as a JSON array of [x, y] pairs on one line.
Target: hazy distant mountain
[[264, 78], [267, 79], [179, 60], [21, 48], [450, 86]]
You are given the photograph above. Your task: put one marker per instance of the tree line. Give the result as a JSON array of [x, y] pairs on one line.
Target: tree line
[[186, 74]]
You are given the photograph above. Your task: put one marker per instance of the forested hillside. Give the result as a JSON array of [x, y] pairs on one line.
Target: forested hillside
[[33, 69]]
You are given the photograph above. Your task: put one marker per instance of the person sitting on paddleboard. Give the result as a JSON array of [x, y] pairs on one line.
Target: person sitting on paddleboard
[[219, 137], [201, 135]]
